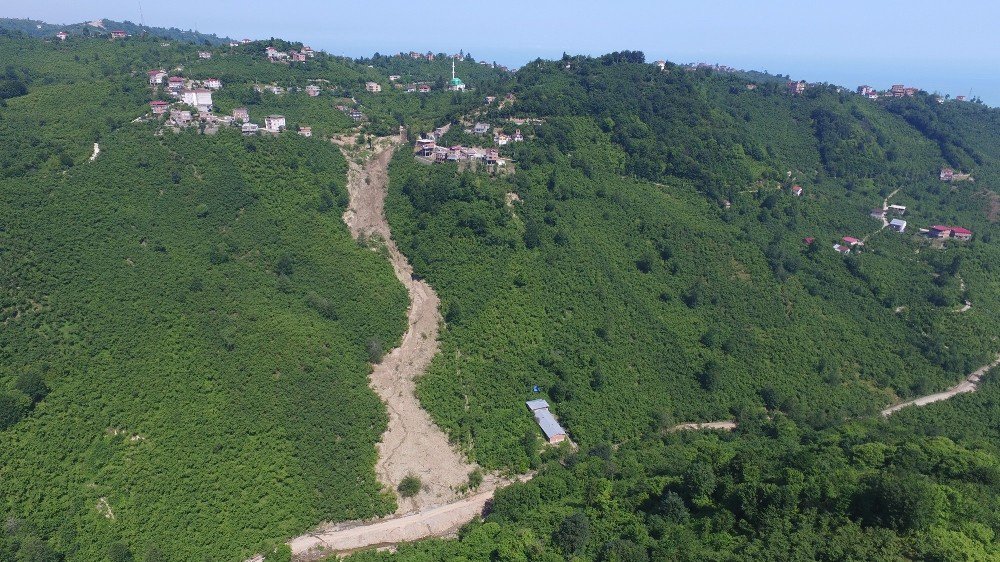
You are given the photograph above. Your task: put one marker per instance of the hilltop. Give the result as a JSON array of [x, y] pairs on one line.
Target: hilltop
[[40, 29]]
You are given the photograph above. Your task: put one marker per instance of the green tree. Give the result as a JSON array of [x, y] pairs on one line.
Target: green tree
[[572, 534]]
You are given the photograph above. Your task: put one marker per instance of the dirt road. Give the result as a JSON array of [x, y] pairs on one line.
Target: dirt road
[[970, 384]]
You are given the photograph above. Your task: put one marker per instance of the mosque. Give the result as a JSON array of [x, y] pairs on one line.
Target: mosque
[[456, 84]]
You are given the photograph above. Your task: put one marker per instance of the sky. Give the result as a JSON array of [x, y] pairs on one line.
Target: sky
[[947, 48]]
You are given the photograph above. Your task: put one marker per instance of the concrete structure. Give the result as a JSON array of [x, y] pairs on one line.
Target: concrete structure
[[312, 90], [200, 98], [897, 209], [306, 131], [554, 433], [241, 114], [158, 107], [62, 35], [797, 190], [249, 128], [204, 55], [274, 123], [373, 87], [156, 77], [898, 225], [118, 34], [212, 83]]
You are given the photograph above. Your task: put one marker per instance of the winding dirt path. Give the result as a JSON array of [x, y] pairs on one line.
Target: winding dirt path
[[970, 384]]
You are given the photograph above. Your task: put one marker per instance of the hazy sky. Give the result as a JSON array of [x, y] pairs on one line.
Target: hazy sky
[[939, 46]]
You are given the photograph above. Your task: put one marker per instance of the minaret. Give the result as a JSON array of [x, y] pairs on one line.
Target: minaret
[[452, 68]]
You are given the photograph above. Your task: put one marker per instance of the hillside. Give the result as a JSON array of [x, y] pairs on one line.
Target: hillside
[[40, 29], [189, 328]]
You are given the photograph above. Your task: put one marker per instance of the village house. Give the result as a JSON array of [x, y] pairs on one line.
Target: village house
[[410, 88], [426, 147], [899, 225], [212, 83], [271, 52], [62, 35], [808, 240], [234, 43], [897, 209], [274, 123], [851, 241], [480, 128], [901, 91], [959, 98], [661, 64], [312, 90], [868, 92], [156, 77], [797, 88], [175, 83], [204, 55], [306, 131], [518, 137], [159, 107], [424, 88], [956, 232], [199, 98], [394, 77], [500, 139], [877, 214], [554, 433], [307, 51], [180, 117], [751, 86], [118, 34], [842, 249], [241, 114], [249, 128], [297, 56], [489, 99], [947, 174], [373, 87], [356, 115], [797, 190], [246, 41]]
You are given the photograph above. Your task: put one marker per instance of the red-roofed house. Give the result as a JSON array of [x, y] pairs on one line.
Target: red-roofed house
[[212, 83], [62, 35], [851, 241], [423, 88], [312, 90], [956, 232], [156, 76], [796, 88], [961, 233], [159, 107], [797, 190], [808, 240], [118, 34], [947, 174], [842, 249], [175, 83]]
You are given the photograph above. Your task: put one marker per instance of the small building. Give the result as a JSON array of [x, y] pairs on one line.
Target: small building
[[518, 137], [841, 249], [356, 115], [307, 51], [424, 88], [851, 241], [274, 123], [808, 240], [947, 174], [797, 190], [180, 117], [373, 87], [956, 232], [158, 107], [312, 90], [481, 128], [899, 225], [305, 131], [246, 41], [426, 147], [62, 35], [797, 88], [554, 433], [156, 77], [960, 233], [877, 214], [118, 34], [199, 98], [959, 98], [897, 209], [212, 83], [241, 114], [175, 83], [661, 64], [296, 56], [249, 128], [394, 77], [204, 55]]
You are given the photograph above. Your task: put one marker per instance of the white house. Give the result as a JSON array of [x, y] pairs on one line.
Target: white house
[[241, 114], [312, 90], [200, 98], [306, 131], [899, 225], [249, 128], [274, 123], [204, 55], [212, 83], [373, 87], [157, 76]]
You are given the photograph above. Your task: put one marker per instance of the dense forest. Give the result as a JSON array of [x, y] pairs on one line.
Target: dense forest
[[187, 326]]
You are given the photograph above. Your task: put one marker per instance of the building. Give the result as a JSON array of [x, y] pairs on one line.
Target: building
[[306, 131], [62, 35], [956, 232], [373, 87], [156, 77], [246, 41], [899, 225], [808, 240], [200, 98], [312, 90], [481, 128], [175, 83], [394, 78], [554, 433], [959, 98], [897, 209], [180, 117], [297, 56], [797, 88], [947, 174], [661, 64], [204, 55], [274, 123], [307, 51], [212, 83], [456, 84], [426, 147], [159, 107], [249, 128], [424, 88], [851, 241], [842, 249], [241, 114], [118, 34], [797, 190], [877, 214], [960, 233]]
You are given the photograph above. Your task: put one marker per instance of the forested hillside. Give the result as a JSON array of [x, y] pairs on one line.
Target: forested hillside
[[647, 264]]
